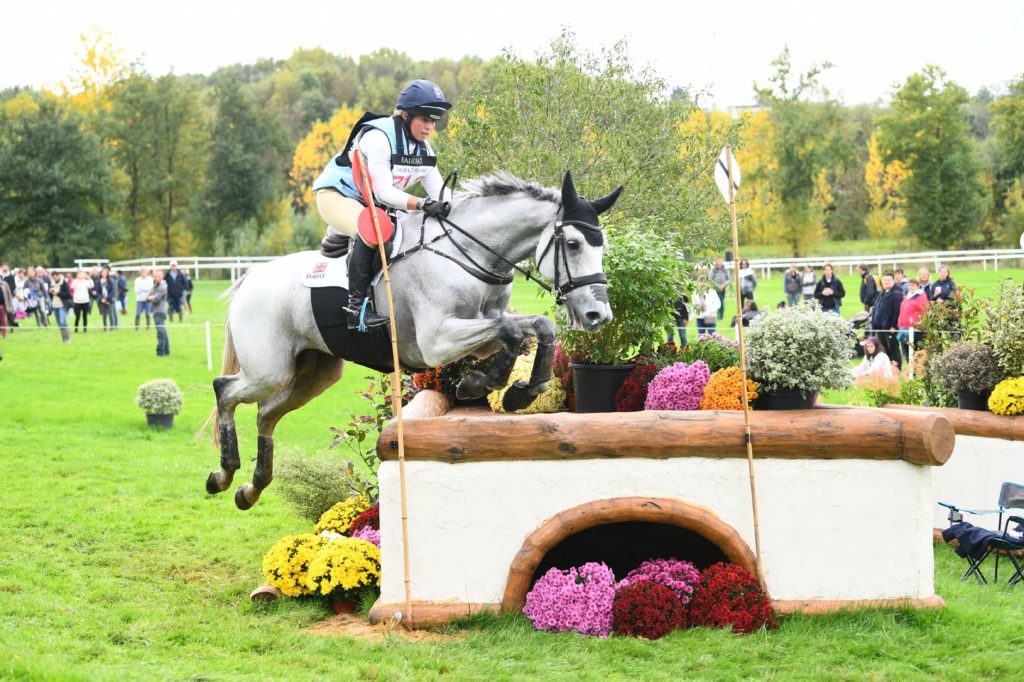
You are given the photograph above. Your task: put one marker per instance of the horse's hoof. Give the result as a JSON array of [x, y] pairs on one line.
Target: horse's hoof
[[517, 397], [212, 486], [472, 386], [241, 501]]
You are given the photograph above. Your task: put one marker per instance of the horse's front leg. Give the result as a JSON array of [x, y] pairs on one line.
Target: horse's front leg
[[521, 394], [456, 338]]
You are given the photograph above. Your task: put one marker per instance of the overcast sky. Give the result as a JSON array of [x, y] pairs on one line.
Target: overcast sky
[[721, 47]]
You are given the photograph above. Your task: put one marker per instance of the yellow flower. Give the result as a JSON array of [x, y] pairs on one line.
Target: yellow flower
[[551, 400], [1008, 397], [287, 562], [344, 565], [724, 390], [338, 518]]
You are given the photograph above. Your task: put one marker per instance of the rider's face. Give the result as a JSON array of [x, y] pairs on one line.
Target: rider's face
[[421, 127]]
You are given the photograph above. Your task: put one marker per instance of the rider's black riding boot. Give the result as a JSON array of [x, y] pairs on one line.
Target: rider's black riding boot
[[360, 271]]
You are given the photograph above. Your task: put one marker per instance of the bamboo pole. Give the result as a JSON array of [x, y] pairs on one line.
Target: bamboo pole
[[743, 364], [396, 397]]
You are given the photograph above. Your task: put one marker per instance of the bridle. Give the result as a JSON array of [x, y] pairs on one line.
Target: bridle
[[561, 258], [593, 234]]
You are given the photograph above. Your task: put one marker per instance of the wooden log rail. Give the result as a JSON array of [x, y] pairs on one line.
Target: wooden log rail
[[842, 433], [975, 422]]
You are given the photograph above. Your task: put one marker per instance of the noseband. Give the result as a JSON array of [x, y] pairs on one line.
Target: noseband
[[592, 233]]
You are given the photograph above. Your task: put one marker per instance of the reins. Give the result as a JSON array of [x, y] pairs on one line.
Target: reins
[[488, 276]]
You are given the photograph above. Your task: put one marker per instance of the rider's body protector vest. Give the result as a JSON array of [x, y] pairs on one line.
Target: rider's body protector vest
[[411, 160]]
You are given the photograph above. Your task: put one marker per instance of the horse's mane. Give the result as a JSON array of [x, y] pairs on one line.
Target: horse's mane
[[502, 184]]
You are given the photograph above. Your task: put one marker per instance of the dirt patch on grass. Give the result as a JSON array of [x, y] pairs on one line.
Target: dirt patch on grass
[[348, 625]]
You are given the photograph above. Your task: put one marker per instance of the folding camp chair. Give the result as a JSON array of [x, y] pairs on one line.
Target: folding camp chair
[[979, 543]]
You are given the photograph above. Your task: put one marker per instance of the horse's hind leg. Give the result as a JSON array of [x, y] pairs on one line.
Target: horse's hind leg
[[218, 481], [232, 390], [315, 372]]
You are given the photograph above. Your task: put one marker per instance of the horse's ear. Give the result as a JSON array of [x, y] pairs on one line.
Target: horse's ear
[[569, 196], [604, 203]]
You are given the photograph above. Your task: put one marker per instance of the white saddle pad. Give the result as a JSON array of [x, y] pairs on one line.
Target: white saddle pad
[[326, 272], [333, 272]]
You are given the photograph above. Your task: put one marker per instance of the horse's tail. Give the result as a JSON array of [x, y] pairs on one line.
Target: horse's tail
[[233, 289]]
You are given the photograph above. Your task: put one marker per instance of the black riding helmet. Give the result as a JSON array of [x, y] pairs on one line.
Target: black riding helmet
[[423, 98]]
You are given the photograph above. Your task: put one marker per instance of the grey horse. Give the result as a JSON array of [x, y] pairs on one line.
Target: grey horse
[[450, 295]]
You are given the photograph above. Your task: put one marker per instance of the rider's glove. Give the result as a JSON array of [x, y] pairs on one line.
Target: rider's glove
[[436, 209]]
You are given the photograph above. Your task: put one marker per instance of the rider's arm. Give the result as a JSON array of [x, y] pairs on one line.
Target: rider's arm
[[374, 144]]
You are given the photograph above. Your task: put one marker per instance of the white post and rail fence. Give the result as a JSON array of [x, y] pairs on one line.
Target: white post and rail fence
[[234, 266]]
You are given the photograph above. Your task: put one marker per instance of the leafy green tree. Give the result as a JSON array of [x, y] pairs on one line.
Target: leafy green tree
[[805, 144], [1008, 123], [179, 149], [126, 125], [248, 165], [55, 189], [606, 122], [928, 130]]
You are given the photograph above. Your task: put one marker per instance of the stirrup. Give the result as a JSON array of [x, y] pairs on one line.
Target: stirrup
[[361, 318]]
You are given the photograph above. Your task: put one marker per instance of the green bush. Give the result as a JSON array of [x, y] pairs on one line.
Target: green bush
[[800, 348], [645, 277], [312, 485], [160, 396], [968, 366], [1004, 327]]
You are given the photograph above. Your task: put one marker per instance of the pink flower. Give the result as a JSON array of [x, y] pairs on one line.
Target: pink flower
[[369, 534], [579, 599], [681, 577], [678, 387]]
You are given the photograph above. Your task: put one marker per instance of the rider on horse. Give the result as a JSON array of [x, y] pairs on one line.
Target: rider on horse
[[396, 158]]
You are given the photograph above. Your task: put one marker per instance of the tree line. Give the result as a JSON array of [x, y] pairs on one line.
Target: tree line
[[117, 162]]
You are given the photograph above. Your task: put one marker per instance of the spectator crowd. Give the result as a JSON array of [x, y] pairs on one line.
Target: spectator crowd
[[56, 297], [893, 305]]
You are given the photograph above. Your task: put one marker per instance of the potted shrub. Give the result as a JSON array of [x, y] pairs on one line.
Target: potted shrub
[[645, 276], [797, 352], [970, 369], [161, 399]]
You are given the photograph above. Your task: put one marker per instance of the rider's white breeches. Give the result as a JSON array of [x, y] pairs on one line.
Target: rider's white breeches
[[340, 212]]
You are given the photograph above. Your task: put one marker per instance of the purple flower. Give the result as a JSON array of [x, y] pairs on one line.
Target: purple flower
[[678, 387], [715, 336], [369, 534], [681, 577], [579, 599]]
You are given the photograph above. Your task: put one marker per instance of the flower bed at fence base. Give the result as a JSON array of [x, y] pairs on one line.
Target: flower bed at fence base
[[340, 560], [659, 596]]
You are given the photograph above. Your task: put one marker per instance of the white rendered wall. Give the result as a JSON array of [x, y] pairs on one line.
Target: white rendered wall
[[973, 474], [830, 529]]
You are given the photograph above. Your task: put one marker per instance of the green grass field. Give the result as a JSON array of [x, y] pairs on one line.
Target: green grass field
[[115, 563]]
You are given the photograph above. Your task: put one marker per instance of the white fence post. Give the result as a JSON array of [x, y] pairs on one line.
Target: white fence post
[[209, 351]]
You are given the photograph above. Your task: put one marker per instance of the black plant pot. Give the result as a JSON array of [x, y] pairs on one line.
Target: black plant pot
[[164, 421], [967, 400], [596, 385], [786, 399]]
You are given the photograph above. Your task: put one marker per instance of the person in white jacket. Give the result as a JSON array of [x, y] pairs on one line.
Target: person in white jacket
[[143, 288], [705, 308], [875, 362]]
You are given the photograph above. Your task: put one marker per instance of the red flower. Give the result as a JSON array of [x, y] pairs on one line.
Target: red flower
[[631, 395], [370, 517], [729, 596], [647, 609]]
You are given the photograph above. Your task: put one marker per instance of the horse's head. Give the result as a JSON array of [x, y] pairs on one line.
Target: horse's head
[[570, 253]]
